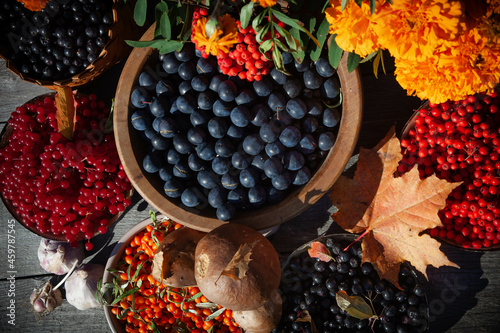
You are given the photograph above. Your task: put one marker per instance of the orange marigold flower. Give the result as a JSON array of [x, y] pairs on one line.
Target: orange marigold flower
[[353, 27], [224, 37], [414, 30], [469, 66], [34, 5], [266, 3]]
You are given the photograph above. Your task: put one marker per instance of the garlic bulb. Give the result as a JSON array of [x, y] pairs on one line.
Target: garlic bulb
[[45, 299], [81, 286], [58, 257]]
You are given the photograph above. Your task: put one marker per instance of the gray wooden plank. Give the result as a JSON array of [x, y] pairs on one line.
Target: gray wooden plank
[[15, 92]]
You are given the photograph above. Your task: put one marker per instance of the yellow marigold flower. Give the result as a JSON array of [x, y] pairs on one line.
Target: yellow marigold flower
[[353, 26], [469, 66], [266, 3], [414, 30], [224, 37], [34, 5]]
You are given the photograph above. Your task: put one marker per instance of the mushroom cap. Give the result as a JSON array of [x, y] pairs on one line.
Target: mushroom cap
[[249, 290], [263, 319]]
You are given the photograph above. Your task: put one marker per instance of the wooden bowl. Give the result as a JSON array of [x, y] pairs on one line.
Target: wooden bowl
[[4, 137], [123, 27], [132, 149]]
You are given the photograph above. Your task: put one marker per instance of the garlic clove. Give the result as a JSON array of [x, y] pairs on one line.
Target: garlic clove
[[81, 286], [58, 257], [45, 299]]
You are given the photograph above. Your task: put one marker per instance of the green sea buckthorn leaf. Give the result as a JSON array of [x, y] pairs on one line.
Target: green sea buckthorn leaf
[[140, 11]]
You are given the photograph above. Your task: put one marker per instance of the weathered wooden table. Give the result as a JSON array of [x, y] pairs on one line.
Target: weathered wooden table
[[460, 300]]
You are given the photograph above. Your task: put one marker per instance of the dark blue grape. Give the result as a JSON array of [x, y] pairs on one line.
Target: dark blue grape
[[165, 88], [310, 124], [263, 88], [331, 117], [307, 144], [181, 170], [287, 58], [278, 76], [227, 91], [270, 132], [152, 162], [208, 179], [156, 123], [238, 197], [186, 103], [240, 116], [276, 101], [324, 68], [187, 70], [196, 135], [159, 106], [195, 163], [273, 167], [230, 181], [303, 66], [173, 188], [293, 87], [290, 136], [282, 181], [159, 142], [206, 150], [293, 160], [241, 160], [259, 161], [261, 114], [199, 118], [149, 133], [206, 100], [217, 127], [185, 87], [283, 118], [236, 133], [274, 195], [224, 147], [141, 120], [257, 195], [249, 177], [207, 65], [182, 144], [170, 63], [186, 54], [225, 212], [275, 148], [147, 81], [312, 80], [314, 107], [296, 108], [191, 197], [217, 196], [216, 81], [183, 123], [245, 97], [140, 98], [253, 144], [173, 156], [221, 165], [331, 88], [200, 83], [166, 173], [222, 109], [326, 141]]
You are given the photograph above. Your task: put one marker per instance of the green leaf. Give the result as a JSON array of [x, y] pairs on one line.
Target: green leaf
[[261, 33], [152, 215], [171, 46], [140, 11], [334, 53], [356, 306], [293, 44], [163, 28], [246, 14], [160, 10], [293, 23], [215, 314], [125, 294], [389, 1], [343, 4], [207, 305], [257, 20], [353, 60], [368, 57], [187, 26], [195, 296], [379, 59], [300, 54], [108, 126], [321, 35], [145, 43], [265, 46], [278, 60], [372, 6]]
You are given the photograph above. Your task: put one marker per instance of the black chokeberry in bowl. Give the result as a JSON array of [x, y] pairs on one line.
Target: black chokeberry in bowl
[[222, 130]]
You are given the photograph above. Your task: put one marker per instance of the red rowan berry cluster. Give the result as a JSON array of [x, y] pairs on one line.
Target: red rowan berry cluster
[[460, 141], [62, 187]]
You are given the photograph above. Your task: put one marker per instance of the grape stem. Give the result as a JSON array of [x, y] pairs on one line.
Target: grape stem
[[357, 239]]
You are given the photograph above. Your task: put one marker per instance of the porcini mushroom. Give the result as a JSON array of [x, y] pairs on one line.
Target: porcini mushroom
[[173, 263], [263, 319], [236, 267]]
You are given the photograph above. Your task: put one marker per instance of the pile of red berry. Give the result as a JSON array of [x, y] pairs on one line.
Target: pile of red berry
[[460, 141], [58, 186]]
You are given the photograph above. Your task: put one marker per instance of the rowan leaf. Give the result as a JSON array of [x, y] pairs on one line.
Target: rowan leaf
[[320, 251], [356, 306], [238, 266], [392, 212], [65, 111], [305, 317]]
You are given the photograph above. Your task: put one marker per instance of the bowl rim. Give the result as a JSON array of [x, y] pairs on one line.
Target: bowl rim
[[261, 218]]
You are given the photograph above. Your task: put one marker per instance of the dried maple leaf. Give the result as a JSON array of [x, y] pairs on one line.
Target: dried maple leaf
[[34, 5], [391, 212], [238, 266], [320, 251], [65, 111]]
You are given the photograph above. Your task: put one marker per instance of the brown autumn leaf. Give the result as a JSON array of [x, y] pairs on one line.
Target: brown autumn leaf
[[355, 305], [392, 212], [305, 317], [320, 251], [238, 266], [65, 111]]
